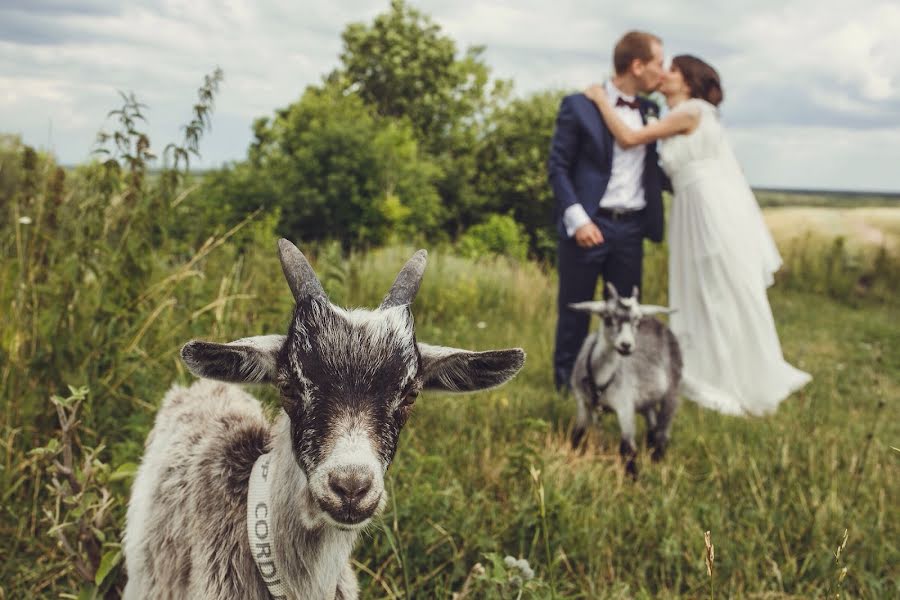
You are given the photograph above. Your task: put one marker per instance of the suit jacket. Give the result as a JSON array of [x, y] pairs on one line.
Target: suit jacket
[[580, 164]]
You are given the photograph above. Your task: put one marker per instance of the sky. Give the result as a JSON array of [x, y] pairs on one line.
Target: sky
[[812, 86]]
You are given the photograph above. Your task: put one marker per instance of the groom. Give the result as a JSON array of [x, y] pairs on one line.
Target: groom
[[607, 198]]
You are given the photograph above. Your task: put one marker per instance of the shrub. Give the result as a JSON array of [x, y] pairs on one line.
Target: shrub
[[499, 235]]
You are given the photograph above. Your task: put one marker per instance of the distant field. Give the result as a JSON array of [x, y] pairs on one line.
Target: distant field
[[825, 198], [862, 227]]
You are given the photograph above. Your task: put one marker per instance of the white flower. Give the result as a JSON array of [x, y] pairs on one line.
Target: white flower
[[525, 568], [481, 325], [24, 220], [520, 565]]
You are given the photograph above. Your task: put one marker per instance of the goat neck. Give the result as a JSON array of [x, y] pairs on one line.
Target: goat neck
[[311, 554], [604, 358]]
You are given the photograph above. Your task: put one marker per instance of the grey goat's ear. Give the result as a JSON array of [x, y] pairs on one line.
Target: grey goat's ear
[[594, 307], [455, 370], [248, 360], [635, 292], [406, 286], [648, 310]]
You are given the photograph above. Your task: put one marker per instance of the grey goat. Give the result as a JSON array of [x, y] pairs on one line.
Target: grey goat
[[347, 381], [631, 364]]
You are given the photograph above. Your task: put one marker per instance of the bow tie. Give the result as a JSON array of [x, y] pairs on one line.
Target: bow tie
[[633, 104]]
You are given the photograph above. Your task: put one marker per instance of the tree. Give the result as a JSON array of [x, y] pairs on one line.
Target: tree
[[512, 166], [335, 170], [403, 66], [406, 68]]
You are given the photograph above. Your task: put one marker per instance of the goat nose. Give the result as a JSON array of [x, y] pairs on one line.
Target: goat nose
[[350, 486]]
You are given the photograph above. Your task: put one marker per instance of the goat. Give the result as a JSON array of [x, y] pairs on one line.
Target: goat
[[347, 381], [631, 364]]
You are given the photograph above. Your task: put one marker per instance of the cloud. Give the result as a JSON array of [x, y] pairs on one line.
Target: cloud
[[800, 71], [819, 157]]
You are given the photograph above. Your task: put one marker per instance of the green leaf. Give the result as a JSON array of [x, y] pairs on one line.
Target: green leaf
[[124, 471], [109, 562]]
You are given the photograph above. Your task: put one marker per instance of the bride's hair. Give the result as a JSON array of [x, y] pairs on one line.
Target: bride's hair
[[701, 78]]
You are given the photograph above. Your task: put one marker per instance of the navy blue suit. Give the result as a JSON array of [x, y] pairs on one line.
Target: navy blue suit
[[580, 167]]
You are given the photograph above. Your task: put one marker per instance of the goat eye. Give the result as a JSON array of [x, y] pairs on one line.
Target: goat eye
[[291, 392], [410, 399], [607, 321]]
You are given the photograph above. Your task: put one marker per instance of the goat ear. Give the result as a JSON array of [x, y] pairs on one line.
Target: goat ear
[[248, 360], [455, 370], [593, 307], [648, 310]]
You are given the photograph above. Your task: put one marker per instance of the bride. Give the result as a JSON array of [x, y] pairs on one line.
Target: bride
[[721, 255]]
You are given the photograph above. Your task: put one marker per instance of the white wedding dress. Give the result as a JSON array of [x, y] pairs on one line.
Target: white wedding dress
[[721, 260]]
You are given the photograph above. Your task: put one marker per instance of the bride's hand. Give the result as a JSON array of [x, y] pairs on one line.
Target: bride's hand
[[596, 93]]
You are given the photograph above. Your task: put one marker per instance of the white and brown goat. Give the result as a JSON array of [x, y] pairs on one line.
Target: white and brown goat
[[347, 380]]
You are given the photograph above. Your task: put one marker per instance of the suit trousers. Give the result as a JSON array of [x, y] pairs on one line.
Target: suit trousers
[[618, 260]]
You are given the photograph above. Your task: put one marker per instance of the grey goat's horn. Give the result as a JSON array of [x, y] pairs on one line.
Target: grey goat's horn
[[406, 286], [612, 291], [299, 273]]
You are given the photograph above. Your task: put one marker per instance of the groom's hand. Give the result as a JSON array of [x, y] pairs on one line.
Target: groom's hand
[[588, 235]]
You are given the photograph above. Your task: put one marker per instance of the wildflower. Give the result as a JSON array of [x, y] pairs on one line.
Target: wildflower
[[24, 220], [521, 565], [481, 325]]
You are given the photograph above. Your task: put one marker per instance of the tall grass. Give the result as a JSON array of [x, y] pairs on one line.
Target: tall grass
[[97, 292], [832, 268], [775, 492]]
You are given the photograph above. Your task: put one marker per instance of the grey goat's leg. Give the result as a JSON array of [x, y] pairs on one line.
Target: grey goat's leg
[[582, 419], [650, 416], [664, 424], [627, 447]]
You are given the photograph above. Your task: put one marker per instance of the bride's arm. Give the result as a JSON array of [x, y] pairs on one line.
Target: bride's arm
[[678, 121]]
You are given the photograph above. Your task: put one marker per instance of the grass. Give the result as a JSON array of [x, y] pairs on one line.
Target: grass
[[777, 493], [492, 474], [863, 227], [96, 291], [828, 199]]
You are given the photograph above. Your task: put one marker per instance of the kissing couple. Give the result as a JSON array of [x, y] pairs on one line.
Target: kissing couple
[[613, 153]]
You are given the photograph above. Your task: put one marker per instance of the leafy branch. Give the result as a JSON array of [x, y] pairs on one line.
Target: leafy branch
[[202, 110]]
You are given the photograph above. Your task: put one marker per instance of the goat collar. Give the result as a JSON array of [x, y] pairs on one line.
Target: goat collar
[[260, 526], [590, 379]]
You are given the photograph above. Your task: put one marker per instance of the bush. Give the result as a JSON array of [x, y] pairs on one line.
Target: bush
[[499, 235], [335, 170]]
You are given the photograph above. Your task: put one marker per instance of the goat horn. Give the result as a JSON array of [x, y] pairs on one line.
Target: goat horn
[[406, 286], [611, 289], [299, 273]]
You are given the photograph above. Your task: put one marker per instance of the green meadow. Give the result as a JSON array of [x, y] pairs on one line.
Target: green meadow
[[798, 504], [107, 268]]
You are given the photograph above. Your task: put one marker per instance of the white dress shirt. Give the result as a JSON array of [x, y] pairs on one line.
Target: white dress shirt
[[625, 190]]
